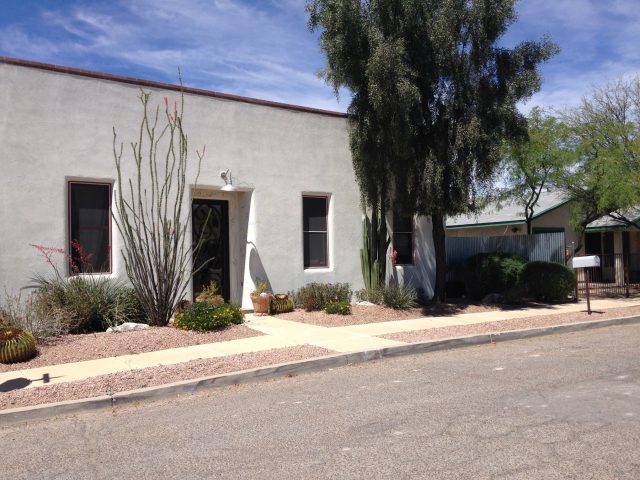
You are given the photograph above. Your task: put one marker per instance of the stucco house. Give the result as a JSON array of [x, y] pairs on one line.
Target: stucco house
[[292, 217]]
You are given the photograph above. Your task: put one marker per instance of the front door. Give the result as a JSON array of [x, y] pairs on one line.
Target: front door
[[210, 222]]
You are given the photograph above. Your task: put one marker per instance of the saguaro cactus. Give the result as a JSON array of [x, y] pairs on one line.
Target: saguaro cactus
[[375, 242]]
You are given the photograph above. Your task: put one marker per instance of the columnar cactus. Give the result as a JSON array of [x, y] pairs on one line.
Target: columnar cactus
[[16, 345], [375, 242]]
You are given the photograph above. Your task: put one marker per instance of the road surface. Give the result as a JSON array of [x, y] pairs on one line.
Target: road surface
[[562, 406]]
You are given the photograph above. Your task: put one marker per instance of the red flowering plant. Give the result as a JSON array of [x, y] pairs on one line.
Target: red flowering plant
[[78, 261], [393, 255]]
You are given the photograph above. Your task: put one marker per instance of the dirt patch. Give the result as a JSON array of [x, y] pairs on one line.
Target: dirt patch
[[513, 324], [77, 348], [153, 376], [375, 313]]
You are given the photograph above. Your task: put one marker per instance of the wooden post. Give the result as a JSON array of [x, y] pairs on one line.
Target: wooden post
[[586, 273]]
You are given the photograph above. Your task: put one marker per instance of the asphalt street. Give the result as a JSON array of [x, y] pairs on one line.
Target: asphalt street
[[561, 406]]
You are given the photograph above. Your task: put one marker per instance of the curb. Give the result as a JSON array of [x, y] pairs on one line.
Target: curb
[[172, 390]]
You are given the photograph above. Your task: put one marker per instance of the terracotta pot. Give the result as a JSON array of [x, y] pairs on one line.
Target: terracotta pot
[[261, 304]]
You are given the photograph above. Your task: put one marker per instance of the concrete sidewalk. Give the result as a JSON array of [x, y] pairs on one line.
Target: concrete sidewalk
[[280, 333]]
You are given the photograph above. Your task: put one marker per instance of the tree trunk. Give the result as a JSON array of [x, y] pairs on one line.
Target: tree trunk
[[439, 245], [528, 226]]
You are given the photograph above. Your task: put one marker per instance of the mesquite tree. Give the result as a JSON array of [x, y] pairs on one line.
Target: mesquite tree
[[433, 97], [604, 177], [532, 164], [157, 246]]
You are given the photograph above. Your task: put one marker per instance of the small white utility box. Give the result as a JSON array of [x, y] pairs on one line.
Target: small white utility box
[[581, 262]]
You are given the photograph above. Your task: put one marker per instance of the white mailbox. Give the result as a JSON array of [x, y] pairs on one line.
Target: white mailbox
[[581, 262]]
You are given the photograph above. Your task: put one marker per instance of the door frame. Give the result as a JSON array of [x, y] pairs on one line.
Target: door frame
[[226, 279]]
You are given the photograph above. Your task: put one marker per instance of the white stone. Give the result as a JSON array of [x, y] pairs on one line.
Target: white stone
[[128, 327], [366, 304]]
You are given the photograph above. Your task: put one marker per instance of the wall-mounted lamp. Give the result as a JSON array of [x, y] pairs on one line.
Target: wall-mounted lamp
[[228, 181]]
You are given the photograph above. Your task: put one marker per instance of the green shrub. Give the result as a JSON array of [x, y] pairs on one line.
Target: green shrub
[[314, 296], [231, 312], [548, 281], [399, 297], [203, 316], [338, 308], [492, 273], [373, 295], [91, 303]]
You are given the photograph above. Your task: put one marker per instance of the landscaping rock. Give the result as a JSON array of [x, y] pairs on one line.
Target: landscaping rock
[[366, 304], [128, 327]]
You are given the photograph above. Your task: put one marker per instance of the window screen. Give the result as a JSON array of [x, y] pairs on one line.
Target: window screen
[[90, 227], [315, 231]]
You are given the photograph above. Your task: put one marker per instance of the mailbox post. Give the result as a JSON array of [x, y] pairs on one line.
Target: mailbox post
[[585, 263]]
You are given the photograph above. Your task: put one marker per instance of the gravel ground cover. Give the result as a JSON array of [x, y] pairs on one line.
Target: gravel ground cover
[[77, 348], [514, 324], [153, 376], [375, 313]]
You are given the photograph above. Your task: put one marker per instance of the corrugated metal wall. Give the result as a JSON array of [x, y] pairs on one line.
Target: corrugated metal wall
[[547, 247]]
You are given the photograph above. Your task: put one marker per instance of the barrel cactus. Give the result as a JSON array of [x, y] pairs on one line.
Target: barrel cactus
[[281, 303], [16, 345]]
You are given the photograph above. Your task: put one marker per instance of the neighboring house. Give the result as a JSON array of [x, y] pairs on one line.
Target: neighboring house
[[618, 245], [552, 214], [294, 217]]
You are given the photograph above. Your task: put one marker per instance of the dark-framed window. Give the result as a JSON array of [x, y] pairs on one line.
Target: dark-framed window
[[89, 214], [315, 212], [403, 238]]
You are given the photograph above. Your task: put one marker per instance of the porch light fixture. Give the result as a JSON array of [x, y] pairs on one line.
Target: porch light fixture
[[228, 181]]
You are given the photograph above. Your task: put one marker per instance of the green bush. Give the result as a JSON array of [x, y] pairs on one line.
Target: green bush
[[399, 297], [548, 281], [203, 316], [373, 295], [338, 308], [92, 303], [492, 273], [314, 296]]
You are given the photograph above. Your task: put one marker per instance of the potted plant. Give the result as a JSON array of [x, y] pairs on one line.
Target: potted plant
[[261, 298]]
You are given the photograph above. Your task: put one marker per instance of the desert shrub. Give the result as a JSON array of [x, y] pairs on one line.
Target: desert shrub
[[314, 296], [338, 308], [203, 316], [548, 281], [210, 295], [373, 295], [399, 297], [231, 312], [492, 273], [92, 303], [33, 314]]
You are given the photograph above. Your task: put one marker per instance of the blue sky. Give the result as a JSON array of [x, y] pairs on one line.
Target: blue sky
[[263, 49]]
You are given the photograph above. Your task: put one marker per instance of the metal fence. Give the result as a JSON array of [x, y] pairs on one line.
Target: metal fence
[[618, 274], [547, 247]]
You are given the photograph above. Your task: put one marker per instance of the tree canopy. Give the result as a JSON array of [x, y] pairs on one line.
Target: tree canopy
[[604, 177], [532, 164], [433, 96]]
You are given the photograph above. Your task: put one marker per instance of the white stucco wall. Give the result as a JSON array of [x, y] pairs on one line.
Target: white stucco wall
[[55, 127]]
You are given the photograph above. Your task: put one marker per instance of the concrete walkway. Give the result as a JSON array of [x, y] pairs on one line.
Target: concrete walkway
[[280, 333]]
